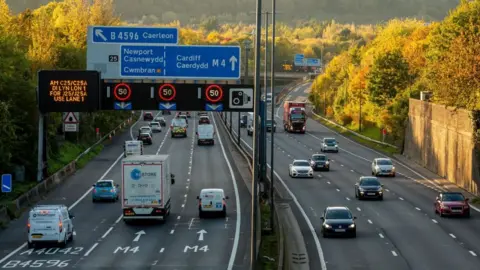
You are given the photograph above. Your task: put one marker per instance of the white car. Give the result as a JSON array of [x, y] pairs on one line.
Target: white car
[[145, 129], [300, 168], [383, 166], [212, 200], [49, 224], [329, 145], [155, 126]]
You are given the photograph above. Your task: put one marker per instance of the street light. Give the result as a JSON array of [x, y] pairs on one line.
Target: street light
[[272, 117], [247, 45]]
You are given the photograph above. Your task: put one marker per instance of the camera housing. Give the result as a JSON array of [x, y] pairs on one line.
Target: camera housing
[[239, 98]]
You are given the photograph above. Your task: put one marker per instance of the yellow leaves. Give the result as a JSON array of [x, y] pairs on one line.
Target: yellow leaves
[[214, 37], [5, 15], [308, 52]]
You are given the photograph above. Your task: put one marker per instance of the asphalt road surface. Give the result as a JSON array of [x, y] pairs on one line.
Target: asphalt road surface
[[400, 232], [103, 241]]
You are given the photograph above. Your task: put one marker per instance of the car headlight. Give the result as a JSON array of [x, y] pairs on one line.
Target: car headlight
[[393, 168], [294, 171], [327, 226], [351, 226], [327, 163], [310, 171]]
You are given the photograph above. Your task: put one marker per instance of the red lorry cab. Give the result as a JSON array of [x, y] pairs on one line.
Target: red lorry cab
[[294, 116]]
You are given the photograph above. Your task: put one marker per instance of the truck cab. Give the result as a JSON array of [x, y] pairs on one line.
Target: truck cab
[[294, 116]]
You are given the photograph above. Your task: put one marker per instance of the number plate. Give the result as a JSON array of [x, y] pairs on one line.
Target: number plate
[[371, 194], [339, 230], [457, 211], [36, 236], [207, 206]]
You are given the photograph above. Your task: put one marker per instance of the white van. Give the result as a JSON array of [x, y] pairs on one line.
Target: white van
[[49, 224], [133, 148], [205, 134], [212, 200]]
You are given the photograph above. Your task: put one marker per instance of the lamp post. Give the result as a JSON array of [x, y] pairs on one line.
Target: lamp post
[[247, 45], [272, 117]]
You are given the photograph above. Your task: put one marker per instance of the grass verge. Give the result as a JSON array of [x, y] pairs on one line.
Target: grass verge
[[268, 253], [379, 147], [476, 201]]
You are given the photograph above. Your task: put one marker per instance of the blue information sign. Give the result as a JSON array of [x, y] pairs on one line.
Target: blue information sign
[[122, 106], [185, 62], [313, 62], [6, 183], [134, 35], [298, 59], [214, 107]]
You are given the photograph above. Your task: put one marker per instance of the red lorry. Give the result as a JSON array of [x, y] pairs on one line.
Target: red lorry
[[294, 116]]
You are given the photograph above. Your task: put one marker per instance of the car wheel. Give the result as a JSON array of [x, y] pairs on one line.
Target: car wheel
[[336, 151], [324, 234], [70, 239], [441, 214], [328, 169], [393, 175], [200, 213], [354, 234], [321, 149], [356, 194], [224, 212], [64, 242], [467, 215], [94, 201], [380, 198], [30, 245], [373, 173]]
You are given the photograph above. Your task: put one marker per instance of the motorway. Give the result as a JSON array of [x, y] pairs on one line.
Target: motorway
[[400, 232], [103, 241]]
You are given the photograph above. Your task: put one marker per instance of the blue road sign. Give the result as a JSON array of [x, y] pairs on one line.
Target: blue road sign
[[312, 62], [214, 107], [122, 106], [167, 106], [6, 183], [134, 35], [298, 59], [185, 62]]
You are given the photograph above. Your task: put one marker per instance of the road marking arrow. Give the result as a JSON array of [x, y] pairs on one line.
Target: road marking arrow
[[99, 33], [233, 60], [201, 232], [139, 234]]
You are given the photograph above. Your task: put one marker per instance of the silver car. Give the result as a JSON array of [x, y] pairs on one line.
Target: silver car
[[155, 126], [300, 168], [145, 129], [383, 166], [329, 145]]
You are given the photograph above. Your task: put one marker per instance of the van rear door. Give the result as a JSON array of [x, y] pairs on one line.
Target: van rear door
[[212, 201], [205, 132], [44, 222]]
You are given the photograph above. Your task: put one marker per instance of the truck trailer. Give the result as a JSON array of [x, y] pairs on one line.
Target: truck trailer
[[294, 116], [146, 184]]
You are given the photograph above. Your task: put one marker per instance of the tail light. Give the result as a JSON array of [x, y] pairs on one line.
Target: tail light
[[94, 190], [28, 225], [159, 211], [200, 202], [128, 212], [60, 225]]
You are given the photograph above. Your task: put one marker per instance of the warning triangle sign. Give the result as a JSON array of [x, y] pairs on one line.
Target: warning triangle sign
[[70, 118]]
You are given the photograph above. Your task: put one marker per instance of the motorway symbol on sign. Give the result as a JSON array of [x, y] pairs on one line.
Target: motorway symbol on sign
[[167, 92], [167, 106], [139, 234], [70, 118], [122, 92], [201, 233], [186, 62], [6, 183], [214, 107], [122, 106], [214, 93], [133, 35], [241, 98]]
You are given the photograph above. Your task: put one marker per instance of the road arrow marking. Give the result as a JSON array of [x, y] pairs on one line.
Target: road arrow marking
[[99, 33], [201, 232], [233, 60], [139, 234]]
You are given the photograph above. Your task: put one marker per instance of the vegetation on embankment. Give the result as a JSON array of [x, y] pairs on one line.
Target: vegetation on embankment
[[405, 58]]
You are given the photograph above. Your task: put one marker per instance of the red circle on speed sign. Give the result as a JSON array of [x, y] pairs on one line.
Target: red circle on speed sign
[[122, 92], [214, 93], [167, 92]]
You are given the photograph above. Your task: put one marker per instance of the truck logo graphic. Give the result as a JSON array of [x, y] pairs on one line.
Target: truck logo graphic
[[136, 174]]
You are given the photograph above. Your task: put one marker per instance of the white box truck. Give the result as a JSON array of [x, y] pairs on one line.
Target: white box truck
[[146, 182]]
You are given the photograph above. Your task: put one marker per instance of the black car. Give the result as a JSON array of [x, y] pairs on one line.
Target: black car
[[368, 187], [338, 220], [320, 162], [271, 125], [148, 116], [166, 112], [243, 121], [145, 138]]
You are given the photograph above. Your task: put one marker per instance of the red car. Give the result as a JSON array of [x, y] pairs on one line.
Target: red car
[[452, 204], [148, 116]]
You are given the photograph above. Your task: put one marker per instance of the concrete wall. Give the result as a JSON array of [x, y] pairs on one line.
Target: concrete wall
[[442, 140]]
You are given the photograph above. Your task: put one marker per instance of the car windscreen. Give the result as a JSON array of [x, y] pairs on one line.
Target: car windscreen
[[270, 122], [104, 184], [319, 158], [453, 198], [301, 163], [144, 135], [330, 141], [384, 162], [178, 122], [338, 214], [154, 124], [297, 115], [370, 182], [145, 129]]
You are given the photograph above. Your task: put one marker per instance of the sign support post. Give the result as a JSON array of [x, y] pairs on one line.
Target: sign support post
[[41, 133]]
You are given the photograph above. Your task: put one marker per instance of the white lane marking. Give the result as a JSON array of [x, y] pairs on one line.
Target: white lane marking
[[473, 253], [341, 165], [323, 264], [434, 221], [162, 250], [381, 235], [338, 190], [179, 217], [394, 253], [118, 219], [400, 198], [319, 175], [82, 197], [107, 232], [183, 205], [172, 231], [452, 235], [387, 190], [348, 199], [352, 170], [369, 221], [236, 239], [185, 195], [90, 250], [358, 208], [418, 209], [328, 182]]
